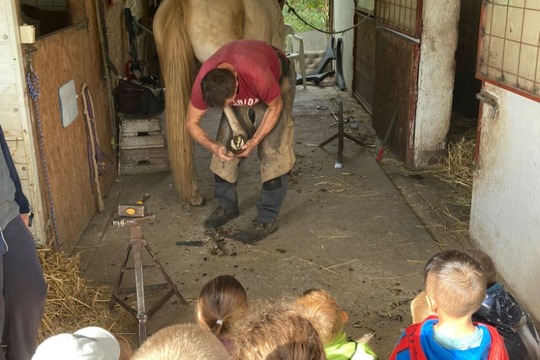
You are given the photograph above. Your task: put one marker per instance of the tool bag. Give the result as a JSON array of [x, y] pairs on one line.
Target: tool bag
[[513, 323], [135, 97]]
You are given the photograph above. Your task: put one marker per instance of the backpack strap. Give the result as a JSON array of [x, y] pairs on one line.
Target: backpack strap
[[497, 350], [410, 341]]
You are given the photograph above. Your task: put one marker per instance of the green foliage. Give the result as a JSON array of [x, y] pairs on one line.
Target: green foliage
[[315, 12]]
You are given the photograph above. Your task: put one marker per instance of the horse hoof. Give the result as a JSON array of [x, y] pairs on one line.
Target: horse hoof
[[236, 143], [197, 200]]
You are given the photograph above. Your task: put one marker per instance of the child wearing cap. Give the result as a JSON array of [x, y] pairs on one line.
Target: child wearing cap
[[91, 343]]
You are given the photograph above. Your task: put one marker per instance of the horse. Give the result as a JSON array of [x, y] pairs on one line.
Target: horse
[[187, 31]]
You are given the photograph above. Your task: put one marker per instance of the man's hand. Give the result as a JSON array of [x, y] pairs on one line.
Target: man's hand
[[247, 149], [25, 218], [222, 153]]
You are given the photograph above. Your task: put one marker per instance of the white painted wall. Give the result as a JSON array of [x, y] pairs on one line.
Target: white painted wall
[[438, 45], [505, 213], [15, 113], [343, 19]]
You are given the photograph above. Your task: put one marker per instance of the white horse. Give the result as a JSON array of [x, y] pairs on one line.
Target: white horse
[[189, 30]]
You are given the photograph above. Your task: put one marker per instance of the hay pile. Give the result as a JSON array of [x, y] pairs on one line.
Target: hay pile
[[72, 303], [459, 162]]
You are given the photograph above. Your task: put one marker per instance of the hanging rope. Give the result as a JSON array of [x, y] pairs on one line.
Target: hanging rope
[[33, 88], [293, 11]]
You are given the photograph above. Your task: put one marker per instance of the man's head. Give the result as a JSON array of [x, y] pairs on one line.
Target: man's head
[[455, 284], [219, 87], [182, 342], [323, 311]]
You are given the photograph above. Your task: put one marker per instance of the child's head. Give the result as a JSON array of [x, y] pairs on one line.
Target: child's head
[[276, 334], [181, 342], [87, 343], [455, 284], [487, 265], [324, 313], [222, 300]]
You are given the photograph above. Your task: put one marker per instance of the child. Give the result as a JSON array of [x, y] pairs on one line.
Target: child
[[277, 333], [500, 310], [221, 302], [322, 310], [182, 342], [455, 289], [87, 343]]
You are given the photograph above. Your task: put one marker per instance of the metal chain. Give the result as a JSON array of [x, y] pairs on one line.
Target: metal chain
[[33, 87], [293, 11]]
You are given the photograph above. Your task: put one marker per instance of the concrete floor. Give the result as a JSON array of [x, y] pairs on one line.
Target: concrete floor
[[350, 231]]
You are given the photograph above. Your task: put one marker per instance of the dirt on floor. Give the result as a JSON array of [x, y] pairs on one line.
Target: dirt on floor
[[363, 232]]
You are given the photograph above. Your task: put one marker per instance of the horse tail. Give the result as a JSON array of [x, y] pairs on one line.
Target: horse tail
[[177, 63]]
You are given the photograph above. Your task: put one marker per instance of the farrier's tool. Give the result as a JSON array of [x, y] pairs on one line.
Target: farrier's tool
[[216, 239], [133, 216], [340, 135], [239, 135]]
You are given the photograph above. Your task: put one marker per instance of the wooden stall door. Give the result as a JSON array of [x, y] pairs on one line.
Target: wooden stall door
[[397, 48], [71, 55]]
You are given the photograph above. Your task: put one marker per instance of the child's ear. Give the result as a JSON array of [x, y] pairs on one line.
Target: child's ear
[[432, 304], [344, 316]]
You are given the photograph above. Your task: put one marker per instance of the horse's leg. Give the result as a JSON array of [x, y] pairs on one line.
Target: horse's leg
[[177, 65]]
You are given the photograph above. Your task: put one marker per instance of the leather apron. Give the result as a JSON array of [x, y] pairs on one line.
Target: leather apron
[[275, 152]]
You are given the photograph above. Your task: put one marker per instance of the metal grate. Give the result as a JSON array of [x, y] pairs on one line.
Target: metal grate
[[401, 15], [508, 52]]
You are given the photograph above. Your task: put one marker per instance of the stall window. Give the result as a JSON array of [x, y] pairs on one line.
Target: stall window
[[47, 16], [508, 53], [402, 15]]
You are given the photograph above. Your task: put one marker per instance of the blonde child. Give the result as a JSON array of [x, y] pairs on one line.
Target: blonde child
[[221, 303], [455, 289], [500, 310], [324, 313], [181, 342], [277, 333]]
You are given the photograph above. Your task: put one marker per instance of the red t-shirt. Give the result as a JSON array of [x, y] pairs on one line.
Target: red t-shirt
[[258, 70]]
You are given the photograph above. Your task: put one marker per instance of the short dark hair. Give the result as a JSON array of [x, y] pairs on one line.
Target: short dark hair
[[217, 86]]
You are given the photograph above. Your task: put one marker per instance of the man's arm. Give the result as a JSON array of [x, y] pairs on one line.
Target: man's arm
[[268, 122], [193, 125]]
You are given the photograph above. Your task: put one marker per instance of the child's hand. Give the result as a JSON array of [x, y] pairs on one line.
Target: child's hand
[[365, 338]]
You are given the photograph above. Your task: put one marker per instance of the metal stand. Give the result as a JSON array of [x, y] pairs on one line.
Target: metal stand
[[133, 216], [340, 135]]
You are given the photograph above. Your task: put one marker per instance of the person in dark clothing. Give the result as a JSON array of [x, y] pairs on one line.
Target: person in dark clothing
[[22, 283]]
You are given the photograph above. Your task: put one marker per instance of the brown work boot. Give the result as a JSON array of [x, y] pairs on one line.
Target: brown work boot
[[220, 217], [256, 232]]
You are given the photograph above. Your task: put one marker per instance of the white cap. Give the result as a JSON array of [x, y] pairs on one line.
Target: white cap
[[92, 343]]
